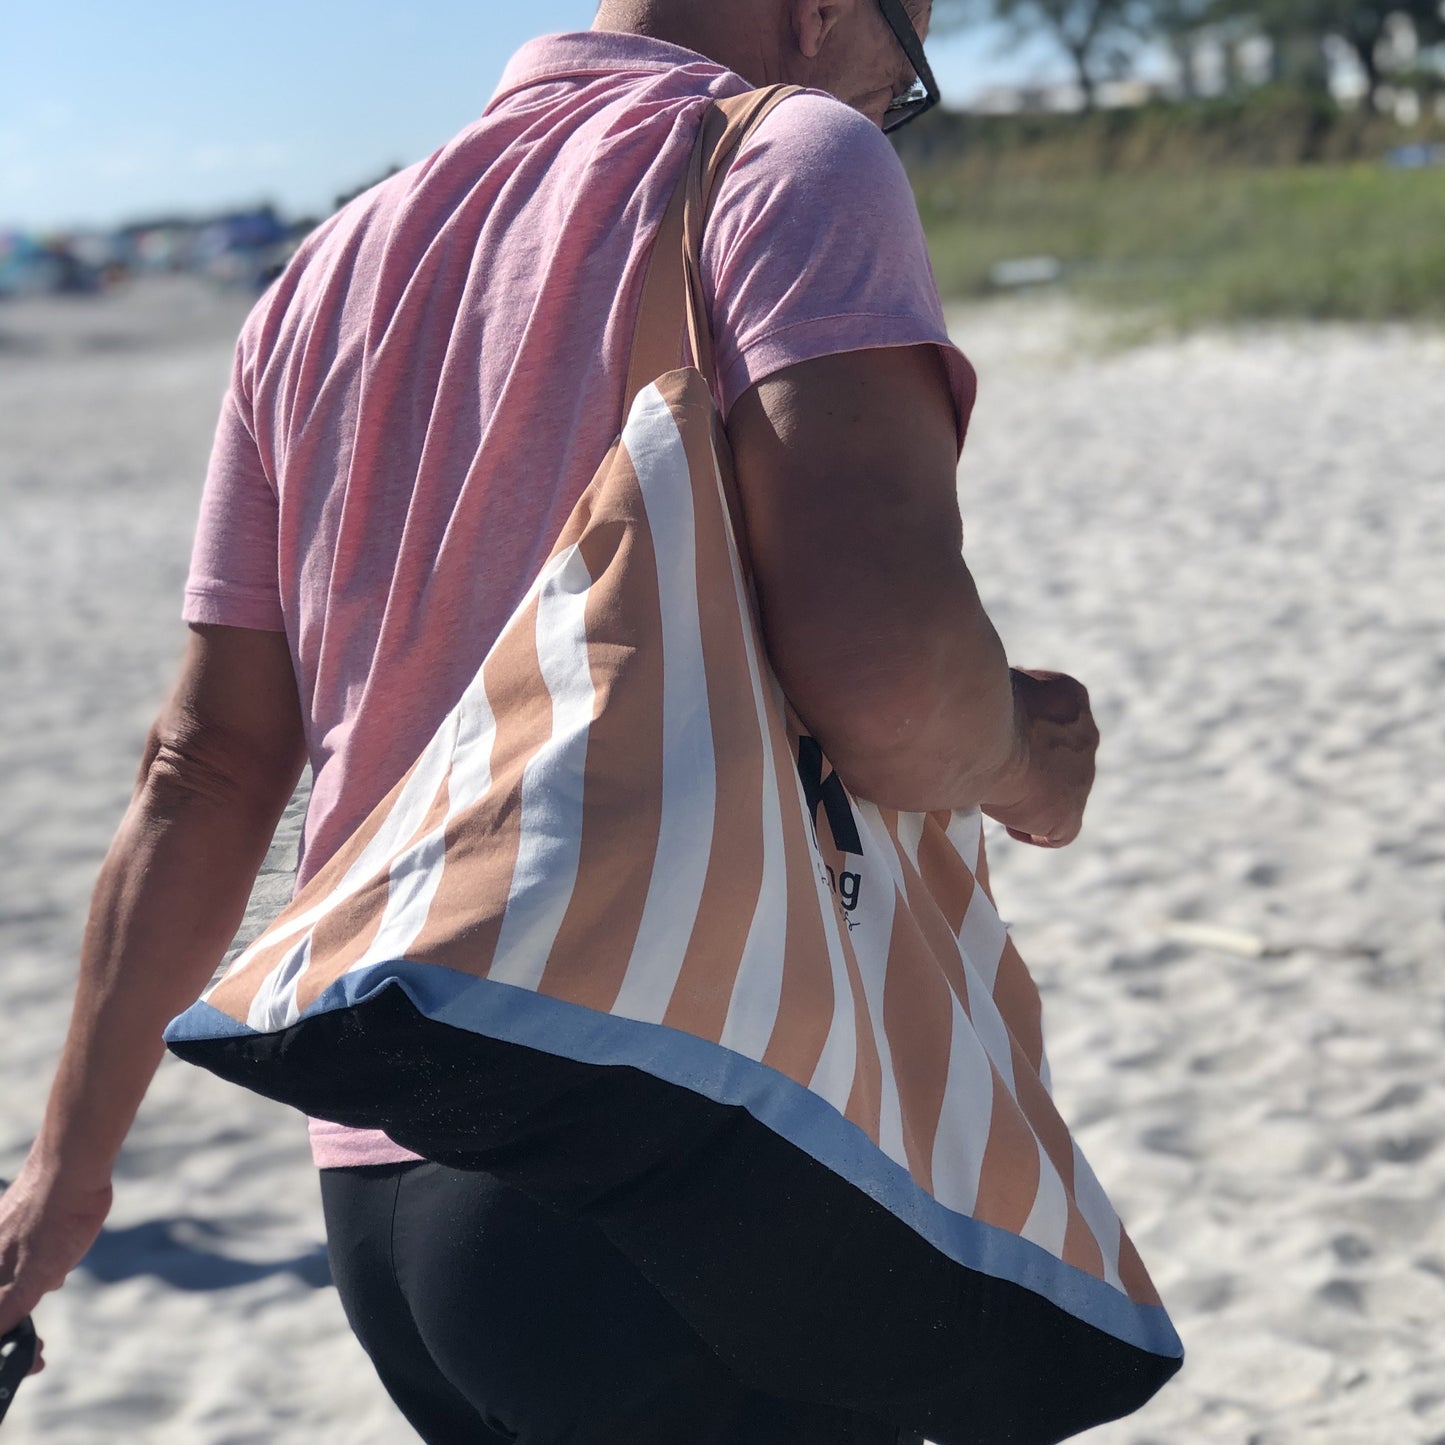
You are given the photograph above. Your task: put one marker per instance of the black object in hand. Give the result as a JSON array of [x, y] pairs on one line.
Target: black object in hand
[[17, 1354]]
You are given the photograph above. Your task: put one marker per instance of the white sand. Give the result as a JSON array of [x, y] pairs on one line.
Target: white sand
[[1230, 539]]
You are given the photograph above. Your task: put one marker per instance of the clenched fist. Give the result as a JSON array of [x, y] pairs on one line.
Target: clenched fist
[[1042, 800]]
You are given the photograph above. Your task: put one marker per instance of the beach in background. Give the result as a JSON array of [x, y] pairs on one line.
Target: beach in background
[[1233, 538]]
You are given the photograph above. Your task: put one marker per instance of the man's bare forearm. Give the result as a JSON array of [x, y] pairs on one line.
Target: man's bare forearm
[[170, 896], [847, 471], [929, 720]]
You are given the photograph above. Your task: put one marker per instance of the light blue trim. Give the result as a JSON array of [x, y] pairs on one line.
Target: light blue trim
[[201, 1024], [519, 1016]]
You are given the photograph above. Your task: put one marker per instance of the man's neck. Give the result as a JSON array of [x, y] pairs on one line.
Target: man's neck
[[733, 33]]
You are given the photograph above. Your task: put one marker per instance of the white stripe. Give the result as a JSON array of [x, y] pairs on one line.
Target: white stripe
[[1048, 1220], [471, 774], [474, 728], [988, 1023], [758, 987], [412, 883], [965, 832], [981, 936], [910, 835], [415, 878], [553, 783], [689, 775], [1098, 1215], [966, 1117], [880, 888], [273, 1006]]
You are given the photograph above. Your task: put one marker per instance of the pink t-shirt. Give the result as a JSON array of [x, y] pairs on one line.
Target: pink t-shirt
[[418, 403]]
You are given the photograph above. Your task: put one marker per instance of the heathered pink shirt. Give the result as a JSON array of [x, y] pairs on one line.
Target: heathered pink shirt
[[418, 403]]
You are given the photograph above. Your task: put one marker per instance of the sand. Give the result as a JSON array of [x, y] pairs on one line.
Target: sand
[[1234, 539]]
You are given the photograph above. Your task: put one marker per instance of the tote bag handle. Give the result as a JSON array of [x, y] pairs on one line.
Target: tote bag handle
[[673, 291]]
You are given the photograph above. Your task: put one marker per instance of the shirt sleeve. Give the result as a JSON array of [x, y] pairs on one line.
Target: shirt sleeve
[[815, 247], [234, 576]]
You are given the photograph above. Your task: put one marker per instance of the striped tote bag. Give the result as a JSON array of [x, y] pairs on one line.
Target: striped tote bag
[[623, 938]]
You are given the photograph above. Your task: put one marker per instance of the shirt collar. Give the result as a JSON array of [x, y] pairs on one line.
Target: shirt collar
[[606, 52]]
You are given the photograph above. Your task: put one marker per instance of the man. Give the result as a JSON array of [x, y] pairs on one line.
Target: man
[[415, 408]]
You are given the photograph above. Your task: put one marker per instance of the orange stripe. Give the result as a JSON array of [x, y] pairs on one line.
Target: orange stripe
[[918, 1014], [465, 918], [940, 940], [1081, 1249], [704, 990], [237, 990], [482, 839], [1132, 1274], [945, 954], [918, 1019], [865, 1103], [622, 802], [1009, 1179], [1017, 997], [945, 875]]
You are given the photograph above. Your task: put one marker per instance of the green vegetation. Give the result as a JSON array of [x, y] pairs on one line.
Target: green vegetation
[[1189, 222]]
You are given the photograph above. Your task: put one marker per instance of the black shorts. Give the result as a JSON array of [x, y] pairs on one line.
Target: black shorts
[[490, 1318]]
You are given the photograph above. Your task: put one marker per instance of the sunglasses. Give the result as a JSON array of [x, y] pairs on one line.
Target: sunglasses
[[924, 94]]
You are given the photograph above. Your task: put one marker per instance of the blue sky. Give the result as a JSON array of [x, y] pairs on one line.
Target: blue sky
[[112, 111]]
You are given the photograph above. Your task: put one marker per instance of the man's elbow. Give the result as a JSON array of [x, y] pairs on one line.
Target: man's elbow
[[189, 769]]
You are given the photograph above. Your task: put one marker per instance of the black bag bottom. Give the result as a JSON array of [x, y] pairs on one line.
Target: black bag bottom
[[805, 1285]]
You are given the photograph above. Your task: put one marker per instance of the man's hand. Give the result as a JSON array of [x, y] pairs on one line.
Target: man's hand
[[1042, 800], [46, 1226]]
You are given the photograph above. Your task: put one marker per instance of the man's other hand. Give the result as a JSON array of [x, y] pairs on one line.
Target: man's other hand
[[47, 1224]]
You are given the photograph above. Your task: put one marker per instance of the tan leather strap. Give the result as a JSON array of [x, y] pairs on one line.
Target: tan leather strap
[[657, 335], [672, 291]]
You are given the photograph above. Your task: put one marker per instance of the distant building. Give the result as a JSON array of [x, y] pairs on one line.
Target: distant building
[[243, 248]]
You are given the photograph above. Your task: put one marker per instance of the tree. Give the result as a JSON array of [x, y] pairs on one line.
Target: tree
[[1178, 24], [1359, 24], [1090, 31]]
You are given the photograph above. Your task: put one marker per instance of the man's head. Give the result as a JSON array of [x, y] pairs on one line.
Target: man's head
[[848, 48], [844, 47]]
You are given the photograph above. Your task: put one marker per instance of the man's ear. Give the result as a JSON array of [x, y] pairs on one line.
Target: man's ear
[[814, 21]]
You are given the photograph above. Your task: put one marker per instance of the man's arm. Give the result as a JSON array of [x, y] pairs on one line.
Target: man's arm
[[846, 470], [219, 766]]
